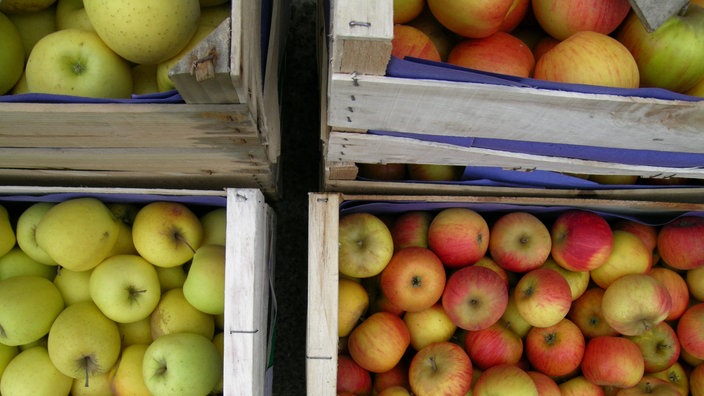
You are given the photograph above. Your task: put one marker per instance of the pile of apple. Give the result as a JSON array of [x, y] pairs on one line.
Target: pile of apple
[[111, 298], [99, 48], [455, 301], [595, 42]]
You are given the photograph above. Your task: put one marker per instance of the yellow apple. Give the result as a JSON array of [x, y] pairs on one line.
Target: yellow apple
[[73, 285], [174, 314], [144, 79], [214, 15], [33, 26], [26, 232], [214, 226], [578, 280], [7, 353], [204, 287], [219, 341], [163, 81], [31, 372], [71, 14], [352, 303], [11, 54], [366, 245], [695, 283], [407, 10], [16, 262], [24, 6], [138, 332], [99, 385], [7, 233], [629, 255], [428, 326], [126, 376], [30, 304], [171, 277]]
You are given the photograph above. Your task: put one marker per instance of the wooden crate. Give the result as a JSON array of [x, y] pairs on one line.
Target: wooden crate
[[249, 295], [323, 274], [358, 97], [228, 133]]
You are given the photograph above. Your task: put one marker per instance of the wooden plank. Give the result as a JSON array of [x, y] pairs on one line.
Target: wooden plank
[[526, 114], [321, 325], [653, 13]]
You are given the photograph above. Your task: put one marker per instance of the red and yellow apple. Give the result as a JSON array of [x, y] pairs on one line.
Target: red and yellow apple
[[471, 18], [414, 279], [628, 256], [412, 42], [500, 53], [612, 361], [475, 297], [556, 350], [634, 303], [581, 240], [428, 326], [519, 242], [659, 345], [586, 313], [440, 368], [563, 18], [379, 342], [504, 379], [689, 331], [459, 236], [366, 245], [351, 377], [495, 345], [681, 242], [411, 229], [543, 297]]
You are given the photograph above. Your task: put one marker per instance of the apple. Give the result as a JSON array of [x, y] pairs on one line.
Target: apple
[[581, 240], [612, 361], [30, 304], [586, 313], [546, 385], [495, 345], [561, 19], [83, 342], [395, 390], [519, 242], [578, 280], [414, 279], [171, 277], [144, 79], [138, 332], [696, 380], [670, 56], [413, 42], [144, 33], [500, 53], [366, 245], [475, 297], [24, 6], [513, 319], [163, 81], [557, 350], [590, 58], [11, 54], [697, 90], [429, 325], [396, 377], [459, 236], [659, 345], [376, 171], [407, 10], [434, 172], [126, 375], [99, 385], [629, 255], [174, 314], [411, 229], [214, 15], [125, 288], [77, 233], [504, 379], [166, 234], [72, 14], [31, 372], [439, 34], [26, 232], [89, 68], [634, 303], [440, 368], [543, 297], [214, 227], [33, 26], [543, 45], [472, 19], [16, 262], [9, 238], [204, 286], [74, 286], [676, 375], [684, 231], [124, 243], [488, 262], [7, 353], [379, 342], [580, 386], [181, 364], [647, 233], [651, 386], [689, 330], [352, 303], [351, 377], [676, 287], [695, 283], [515, 16]]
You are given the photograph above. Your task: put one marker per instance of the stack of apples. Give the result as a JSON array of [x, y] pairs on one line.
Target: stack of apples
[[111, 298], [99, 48], [595, 42], [461, 300]]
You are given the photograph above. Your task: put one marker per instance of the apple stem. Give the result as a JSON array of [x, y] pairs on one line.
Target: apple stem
[[433, 364], [2, 332], [86, 364], [180, 237]]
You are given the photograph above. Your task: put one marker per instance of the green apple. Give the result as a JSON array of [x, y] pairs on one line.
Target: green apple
[[125, 288], [32, 373], [16, 262], [7, 233], [73, 285], [219, 341], [144, 32], [138, 332], [30, 304], [99, 385], [214, 227], [126, 375], [182, 364], [144, 79], [78, 233], [171, 277], [204, 287], [70, 14], [166, 234], [163, 81], [215, 14], [26, 232], [83, 342], [175, 314], [77, 62], [33, 26], [11, 54], [21, 86], [7, 353], [24, 6]]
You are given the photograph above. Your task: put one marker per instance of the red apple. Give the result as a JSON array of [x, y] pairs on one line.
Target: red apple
[[676, 286], [471, 18], [434, 172], [397, 376], [580, 386], [586, 313], [589, 58], [659, 345], [414, 279], [504, 379], [581, 240], [578, 280], [411, 229], [544, 45], [646, 232], [440, 368], [676, 375], [519, 242], [696, 380], [629, 255], [543, 297], [497, 344], [516, 14], [412, 42], [441, 36], [475, 297], [459, 236], [382, 171], [546, 385], [671, 57], [395, 390], [379, 342], [488, 262], [500, 53], [366, 245], [634, 303], [689, 330], [557, 350], [563, 18], [681, 242], [351, 377], [428, 326], [651, 386], [612, 361]]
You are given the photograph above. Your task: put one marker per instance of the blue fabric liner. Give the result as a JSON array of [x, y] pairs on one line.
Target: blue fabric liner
[[171, 96]]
